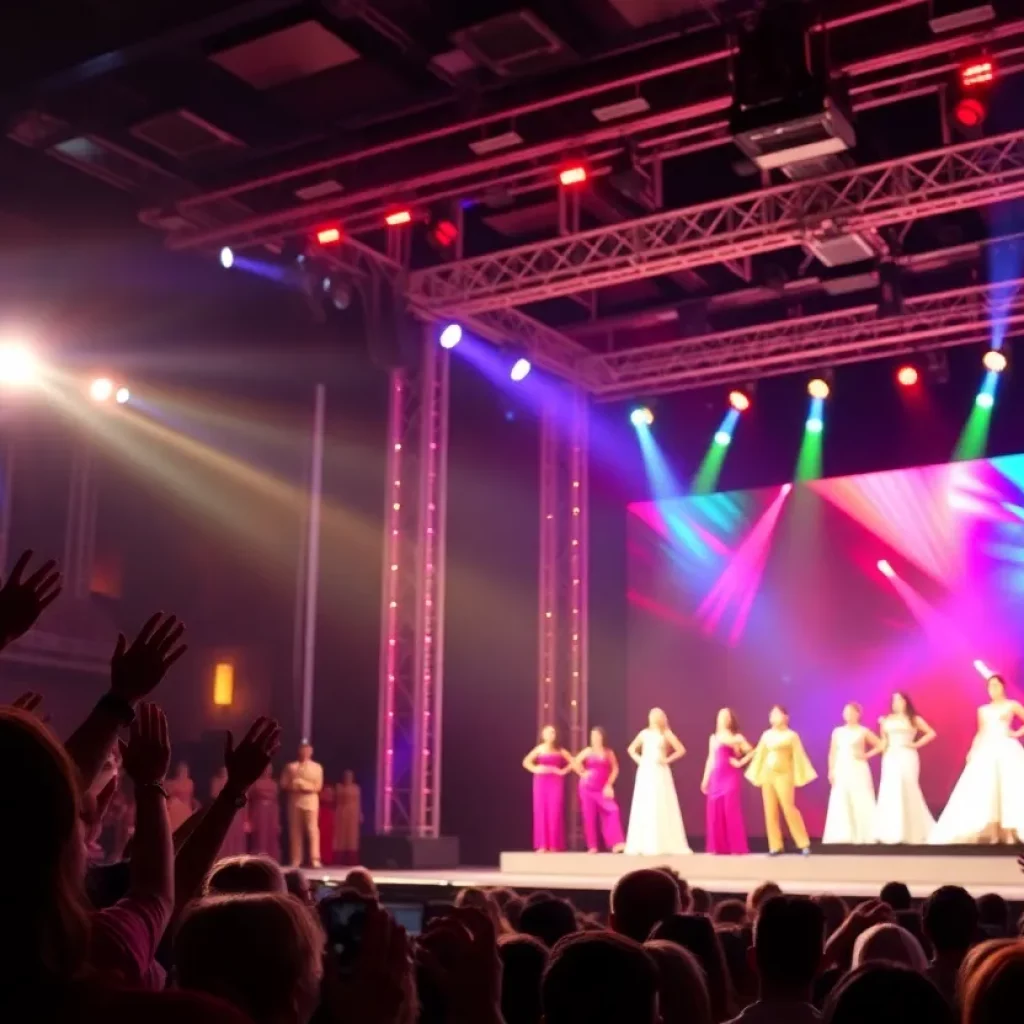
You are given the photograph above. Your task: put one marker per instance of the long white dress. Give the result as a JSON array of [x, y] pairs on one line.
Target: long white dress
[[851, 804], [901, 816], [655, 821], [988, 800]]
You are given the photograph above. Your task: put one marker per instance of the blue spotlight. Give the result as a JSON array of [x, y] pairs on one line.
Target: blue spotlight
[[520, 369], [641, 416], [227, 258], [451, 336]]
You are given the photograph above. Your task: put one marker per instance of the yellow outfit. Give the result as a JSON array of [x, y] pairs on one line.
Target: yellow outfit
[[779, 766]]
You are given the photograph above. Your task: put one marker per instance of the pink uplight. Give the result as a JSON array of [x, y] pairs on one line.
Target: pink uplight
[[886, 569]]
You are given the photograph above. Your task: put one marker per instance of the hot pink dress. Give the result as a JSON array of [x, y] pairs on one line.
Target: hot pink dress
[[549, 803], [725, 830], [598, 809]]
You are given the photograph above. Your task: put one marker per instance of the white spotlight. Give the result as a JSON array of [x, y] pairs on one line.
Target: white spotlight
[[122, 395], [520, 369], [19, 366], [101, 389], [227, 258]]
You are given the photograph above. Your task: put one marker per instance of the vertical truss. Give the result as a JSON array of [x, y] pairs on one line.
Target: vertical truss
[[412, 599], [563, 576], [80, 532]]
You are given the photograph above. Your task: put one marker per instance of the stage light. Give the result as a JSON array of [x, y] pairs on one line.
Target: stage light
[[886, 569], [329, 236], [451, 336], [18, 365], [970, 112], [739, 400], [122, 396], [977, 72], [970, 107], [641, 416], [907, 376], [722, 437], [443, 233], [786, 488], [818, 387], [227, 258], [398, 217], [814, 425], [520, 369], [101, 389], [994, 360], [574, 175], [985, 400], [982, 669]]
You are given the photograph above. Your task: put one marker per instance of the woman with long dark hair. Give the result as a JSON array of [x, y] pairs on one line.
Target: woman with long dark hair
[[725, 831], [901, 815]]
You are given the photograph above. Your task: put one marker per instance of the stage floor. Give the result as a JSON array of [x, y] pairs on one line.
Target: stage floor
[[846, 874]]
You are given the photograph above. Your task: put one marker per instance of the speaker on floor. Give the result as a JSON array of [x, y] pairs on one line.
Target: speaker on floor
[[403, 853]]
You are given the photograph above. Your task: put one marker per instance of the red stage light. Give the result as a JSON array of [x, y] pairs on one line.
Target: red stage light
[[573, 175], [977, 72], [739, 400], [393, 220], [970, 112], [328, 236], [908, 376], [444, 233]]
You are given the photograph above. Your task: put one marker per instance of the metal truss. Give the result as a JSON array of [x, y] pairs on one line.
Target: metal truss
[[940, 320], [563, 617], [953, 178], [411, 670]]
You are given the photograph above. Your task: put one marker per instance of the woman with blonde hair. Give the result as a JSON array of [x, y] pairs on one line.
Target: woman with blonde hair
[[891, 943], [994, 992], [655, 821], [976, 958]]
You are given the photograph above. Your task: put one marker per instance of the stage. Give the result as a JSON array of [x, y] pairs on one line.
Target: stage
[[848, 873]]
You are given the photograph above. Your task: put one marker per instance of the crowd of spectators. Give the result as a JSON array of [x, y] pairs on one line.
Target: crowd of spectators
[[173, 934]]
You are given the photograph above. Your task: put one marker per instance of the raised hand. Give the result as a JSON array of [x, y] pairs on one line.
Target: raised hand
[[136, 670], [148, 754], [248, 761], [23, 601]]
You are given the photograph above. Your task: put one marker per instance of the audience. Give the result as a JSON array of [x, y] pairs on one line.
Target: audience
[[700, 901], [891, 943], [245, 874], [951, 924], [730, 912], [642, 899], [682, 992], [994, 915], [995, 989], [834, 909], [523, 960], [896, 895], [548, 921], [765, 891], [696, 934], [882, 993]]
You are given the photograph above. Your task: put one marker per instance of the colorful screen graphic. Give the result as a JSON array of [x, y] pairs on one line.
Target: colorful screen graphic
[[816, 594]]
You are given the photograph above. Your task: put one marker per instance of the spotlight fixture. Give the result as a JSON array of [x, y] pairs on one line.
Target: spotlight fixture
[[907, 376], [814, 425], [398, 217], [985, 400], [739, 399], [442, 233], [818, 387], [994, 361], [451, 336], [575, 175], [122, 396], [101, 389], [641, 416], [886, 569], [975, 80], [722, 438], [227, 258], [19, 366], [520, 369], [329, 235]]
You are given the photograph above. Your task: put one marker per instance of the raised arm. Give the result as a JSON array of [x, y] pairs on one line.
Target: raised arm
[[22, 601], [677, 751], [577, 761], [634, 748], [708, 765], [927, 733], [873, 744], [569, 762]]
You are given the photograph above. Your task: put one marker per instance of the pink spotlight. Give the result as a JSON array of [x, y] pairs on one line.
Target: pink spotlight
[[982, 669], [786, 488], [886, 569]]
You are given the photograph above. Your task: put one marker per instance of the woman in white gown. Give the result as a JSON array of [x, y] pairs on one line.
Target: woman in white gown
[[987, 804], [851, 803], [902, 816], [655, 821]]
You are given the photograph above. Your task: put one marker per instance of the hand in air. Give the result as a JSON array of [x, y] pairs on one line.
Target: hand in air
[[23, 601], [248, 761], [136, 670], [148, 754]]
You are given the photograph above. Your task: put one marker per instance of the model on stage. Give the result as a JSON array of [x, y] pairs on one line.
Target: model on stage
[[902, 816], [987, 804], [598, 768], [721, 785], [851, 804], [548, 763], [779, 765], [655, 821]]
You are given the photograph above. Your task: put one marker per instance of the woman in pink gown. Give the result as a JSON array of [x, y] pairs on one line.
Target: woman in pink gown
[[721, 785], [234, 842], [549, 764], [598, 768], [264, 813]]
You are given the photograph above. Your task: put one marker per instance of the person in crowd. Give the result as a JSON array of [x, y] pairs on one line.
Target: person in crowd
[[598, 769], [835, 910], [729, 913], [995, 990], [264, 814], [262, 952], [234, 844], [735, 942], [181, 801], [725, 832], [778, 767], [302, 781], [977, 957], [548, 921], [682, 992], [789, 939], [851, 803], [910, 920], [994, 915], [484, 901], [951, 924], [297, 884], [896, 895], [245, 874], [901, 814], [600, 978], [685, 894], [757, 897], [694, 932], [362, 881], [348, 819], [327, 822], [891, 943], [640, 900], [523, 961], [885, 993], [701, 901], [549, 763], [655, 820]]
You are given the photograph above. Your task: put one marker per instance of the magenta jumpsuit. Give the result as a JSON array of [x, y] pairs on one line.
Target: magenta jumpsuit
[[596, 808]]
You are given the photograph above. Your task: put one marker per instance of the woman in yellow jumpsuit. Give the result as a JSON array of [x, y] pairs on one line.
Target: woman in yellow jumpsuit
[[779, 765]]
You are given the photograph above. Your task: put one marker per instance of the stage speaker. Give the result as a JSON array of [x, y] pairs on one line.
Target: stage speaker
[[399, 853]]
